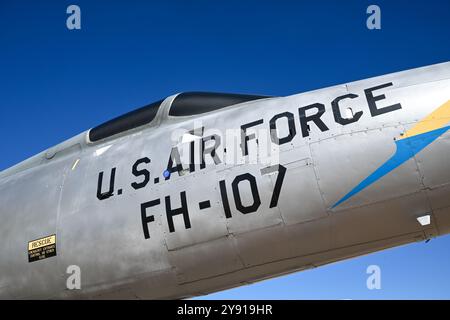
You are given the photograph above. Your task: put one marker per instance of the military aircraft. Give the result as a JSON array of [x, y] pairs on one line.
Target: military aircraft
[[201, 192]]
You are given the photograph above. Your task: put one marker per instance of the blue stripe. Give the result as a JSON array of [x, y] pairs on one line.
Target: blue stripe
[[406, 149]]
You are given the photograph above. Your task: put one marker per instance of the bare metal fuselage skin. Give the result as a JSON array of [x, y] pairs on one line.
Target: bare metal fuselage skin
[[350, 179]]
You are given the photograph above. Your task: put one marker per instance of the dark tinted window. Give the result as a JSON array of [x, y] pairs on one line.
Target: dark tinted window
[[192, 103], [125, 122]]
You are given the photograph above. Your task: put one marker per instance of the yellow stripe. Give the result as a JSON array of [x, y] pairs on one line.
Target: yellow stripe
[[436, 120]]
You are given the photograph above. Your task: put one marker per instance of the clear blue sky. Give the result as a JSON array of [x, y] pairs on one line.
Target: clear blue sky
[[55, 83]]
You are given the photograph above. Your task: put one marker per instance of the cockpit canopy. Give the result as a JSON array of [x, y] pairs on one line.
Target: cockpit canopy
[[184, 104]]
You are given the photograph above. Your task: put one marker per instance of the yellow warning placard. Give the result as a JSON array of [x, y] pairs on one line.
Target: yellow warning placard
[[42, 248]]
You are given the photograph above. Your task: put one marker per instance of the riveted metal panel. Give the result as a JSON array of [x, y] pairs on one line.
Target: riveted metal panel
[[439, 196], [95, 238], [343, 162], [105, 238], [264, 216], [322, 96], [206, 224], [417, 100], [7, 232], [300, 199], [205, 260], [29, 212], [442, 217], [253, 245], [434, 163], [310, 237], [284, 242], [380, 220]]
